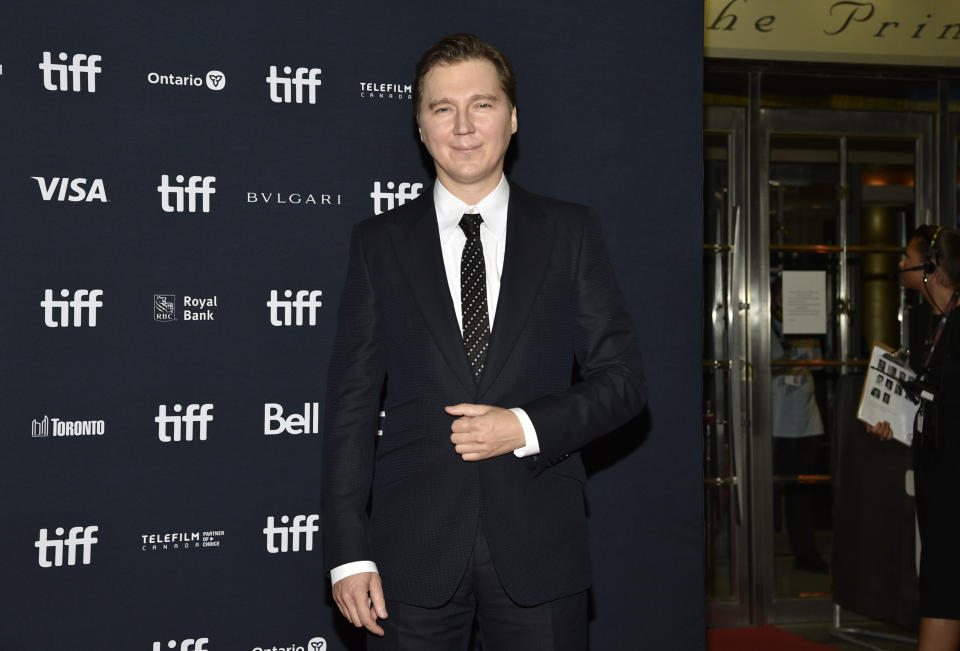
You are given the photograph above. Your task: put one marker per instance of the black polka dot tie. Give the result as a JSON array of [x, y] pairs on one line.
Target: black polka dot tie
[[473, 296]]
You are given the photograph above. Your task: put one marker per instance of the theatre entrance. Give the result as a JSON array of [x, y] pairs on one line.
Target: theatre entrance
[[821, 200]]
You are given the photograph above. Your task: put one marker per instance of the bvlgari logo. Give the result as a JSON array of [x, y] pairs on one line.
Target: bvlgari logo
[[295, 198]]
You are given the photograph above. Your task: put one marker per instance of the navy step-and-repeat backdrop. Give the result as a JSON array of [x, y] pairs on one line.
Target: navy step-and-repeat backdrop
[[178, 184]]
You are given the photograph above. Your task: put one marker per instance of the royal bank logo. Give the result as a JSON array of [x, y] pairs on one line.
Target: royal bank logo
[[78, 537], [81, 310], [164, 307], [65, 76], [214, 80], [305, 422], [190, 644], [180, 540], [57, 427], [313, 644], [291, 536], [384, 200], [179, 425], [61, 188], [294, 198], [184, 198], [386, 90], [195, 308], [289, 87], [294, 311]]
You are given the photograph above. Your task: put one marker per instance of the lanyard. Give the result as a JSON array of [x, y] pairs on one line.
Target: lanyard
[[936, 338]]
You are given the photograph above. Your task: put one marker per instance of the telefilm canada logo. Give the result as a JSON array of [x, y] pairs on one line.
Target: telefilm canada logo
[[213, 80], [78, 75], [180, 540], [194, 308], [186, 194], [313, 644], [286, 85], [78, 311], [79, 538], [386, 90], [389, 195], [58, 427], [62, 188], [189, 644], [291, 534]]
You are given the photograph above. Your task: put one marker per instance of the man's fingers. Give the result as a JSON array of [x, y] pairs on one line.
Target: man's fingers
[[466, 409], [376, 596]]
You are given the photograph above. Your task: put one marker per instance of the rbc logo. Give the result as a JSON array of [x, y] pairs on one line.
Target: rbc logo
[[77, 68], [195, 414], [56, 313], [309, 77], [302, 524], [78, 192], [78, 537], [405, 192], [292, 311], [187, 645], [196, 185]]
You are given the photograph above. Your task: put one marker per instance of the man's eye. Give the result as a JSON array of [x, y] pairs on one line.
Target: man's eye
[[442, 109], [484, 105]]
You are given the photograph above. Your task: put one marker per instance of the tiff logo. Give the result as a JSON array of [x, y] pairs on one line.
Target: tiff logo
[[309, 77], [189, 644], [195, 414], [78, 537], [78, 191], [302, 524], [291, 312], [55, 74], [56, 313], [405, 192], [196, 185]]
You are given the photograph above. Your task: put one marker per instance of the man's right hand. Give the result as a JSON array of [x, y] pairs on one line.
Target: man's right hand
[[360, 599], [881, 430]]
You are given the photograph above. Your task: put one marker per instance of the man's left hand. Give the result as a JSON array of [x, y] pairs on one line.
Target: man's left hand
[[483, 431]]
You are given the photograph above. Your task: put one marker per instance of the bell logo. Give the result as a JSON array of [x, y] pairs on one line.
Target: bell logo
[[183, 425], [57, 188], [291, 312], [303, 77], [302, 524], [189, 644], [405, 192], [57, 313], [306, 423], [196, 185], [55, 74], [78, 537]]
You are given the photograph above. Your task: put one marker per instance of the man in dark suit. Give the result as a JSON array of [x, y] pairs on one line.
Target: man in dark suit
[[488, 324]]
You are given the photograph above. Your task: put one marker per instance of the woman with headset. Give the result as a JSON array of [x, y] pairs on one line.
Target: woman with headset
[[936, 442]]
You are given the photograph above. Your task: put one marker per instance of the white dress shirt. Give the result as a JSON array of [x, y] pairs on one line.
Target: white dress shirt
[[493, 236]]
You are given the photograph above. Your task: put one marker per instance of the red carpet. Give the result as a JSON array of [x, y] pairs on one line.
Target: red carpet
[[758, 638]]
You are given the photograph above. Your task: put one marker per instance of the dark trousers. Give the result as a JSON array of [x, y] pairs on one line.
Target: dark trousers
[[798, 456], [501, 625]]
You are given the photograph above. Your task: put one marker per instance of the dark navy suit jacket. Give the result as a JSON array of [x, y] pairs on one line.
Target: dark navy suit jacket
[[407, 501]]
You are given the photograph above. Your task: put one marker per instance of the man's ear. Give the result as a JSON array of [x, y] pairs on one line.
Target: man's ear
[[513, 120]]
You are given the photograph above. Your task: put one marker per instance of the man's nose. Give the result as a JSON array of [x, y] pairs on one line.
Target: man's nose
[[463, 123]]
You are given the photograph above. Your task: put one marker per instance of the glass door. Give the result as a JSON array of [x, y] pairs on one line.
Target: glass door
[[834, 196]]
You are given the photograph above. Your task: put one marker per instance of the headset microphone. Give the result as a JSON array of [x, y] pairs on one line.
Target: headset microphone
[[927, 267]]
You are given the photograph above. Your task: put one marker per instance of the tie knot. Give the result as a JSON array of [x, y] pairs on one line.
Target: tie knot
[[470, 223]]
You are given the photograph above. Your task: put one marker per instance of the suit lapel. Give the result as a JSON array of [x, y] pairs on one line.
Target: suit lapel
[[417, 246], [529, 243]]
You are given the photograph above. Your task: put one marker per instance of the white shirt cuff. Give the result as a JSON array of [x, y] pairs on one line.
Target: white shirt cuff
[[532, 446], [349, 569]]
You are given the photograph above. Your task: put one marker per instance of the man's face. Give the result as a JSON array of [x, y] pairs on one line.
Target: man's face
[[466, 122]]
